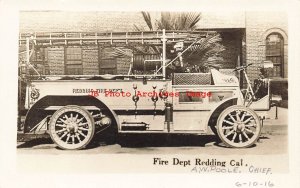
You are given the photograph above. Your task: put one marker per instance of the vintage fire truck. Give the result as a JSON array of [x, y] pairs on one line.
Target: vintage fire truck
[[73, 109]]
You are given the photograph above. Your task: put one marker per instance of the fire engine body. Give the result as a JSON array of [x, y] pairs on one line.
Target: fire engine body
[[73, 111], [190, 109]]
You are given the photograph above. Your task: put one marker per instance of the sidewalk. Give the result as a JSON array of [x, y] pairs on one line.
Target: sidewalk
[[276, 126]]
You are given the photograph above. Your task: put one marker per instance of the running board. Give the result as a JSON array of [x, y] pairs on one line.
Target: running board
[[134, 126]]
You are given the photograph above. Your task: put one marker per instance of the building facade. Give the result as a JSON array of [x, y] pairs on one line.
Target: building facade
[[248, 37]]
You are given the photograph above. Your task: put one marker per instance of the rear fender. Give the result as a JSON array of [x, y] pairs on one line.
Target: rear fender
[[38, 111]]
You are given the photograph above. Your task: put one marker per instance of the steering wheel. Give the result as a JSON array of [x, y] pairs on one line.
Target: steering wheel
[[242, 67]]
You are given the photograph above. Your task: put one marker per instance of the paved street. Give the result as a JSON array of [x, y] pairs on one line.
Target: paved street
[[158, 144]]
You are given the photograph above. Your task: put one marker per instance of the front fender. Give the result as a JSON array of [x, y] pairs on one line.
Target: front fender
[[215, 112]]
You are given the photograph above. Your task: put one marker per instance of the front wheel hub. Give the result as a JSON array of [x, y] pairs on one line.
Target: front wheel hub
[[72, 127], [106, 121], [240, 127]]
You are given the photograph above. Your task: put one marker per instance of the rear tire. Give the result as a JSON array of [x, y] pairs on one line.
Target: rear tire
[[72, 127]]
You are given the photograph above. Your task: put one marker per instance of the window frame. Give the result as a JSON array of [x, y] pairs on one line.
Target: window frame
[[73, 61], [269, 56]]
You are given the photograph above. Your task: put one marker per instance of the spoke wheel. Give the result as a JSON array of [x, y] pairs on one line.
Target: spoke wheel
[[72, 127], [238, 126]]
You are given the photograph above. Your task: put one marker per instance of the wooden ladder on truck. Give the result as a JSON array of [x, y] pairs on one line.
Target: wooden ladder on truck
[[45, 39], [88, 38]]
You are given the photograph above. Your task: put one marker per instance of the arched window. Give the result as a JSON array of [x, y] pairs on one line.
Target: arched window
[[275, 53]]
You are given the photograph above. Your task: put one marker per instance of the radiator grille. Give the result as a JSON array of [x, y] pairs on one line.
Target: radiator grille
[[192, 79]]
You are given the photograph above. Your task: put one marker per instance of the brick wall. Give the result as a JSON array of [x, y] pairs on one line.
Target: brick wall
[[221, 20], [63, 21], [258, 26], [55, 59], [59, 21], [90, 62]]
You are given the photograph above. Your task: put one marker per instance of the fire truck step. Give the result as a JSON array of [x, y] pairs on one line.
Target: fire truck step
[[134, 126]]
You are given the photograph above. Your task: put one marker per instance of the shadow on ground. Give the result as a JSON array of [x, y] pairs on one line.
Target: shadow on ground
[[163, 140], [143, 140], [138, 140], [35, 142]]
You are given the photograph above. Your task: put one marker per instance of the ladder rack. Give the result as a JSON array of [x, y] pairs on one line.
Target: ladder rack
[[44, 39], [88, 38]]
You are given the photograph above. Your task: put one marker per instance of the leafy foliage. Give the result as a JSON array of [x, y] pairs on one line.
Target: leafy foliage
[[205, 53], [175, 21]]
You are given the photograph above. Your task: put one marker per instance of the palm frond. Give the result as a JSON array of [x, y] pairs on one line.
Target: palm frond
[[206, 52], [137, 28], [148, 20], [204, 44], [166, 21], [187, 21], [193, 19], [120, 52]]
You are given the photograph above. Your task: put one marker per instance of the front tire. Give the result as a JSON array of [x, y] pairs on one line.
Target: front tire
[[72, 127], [238, 126]]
